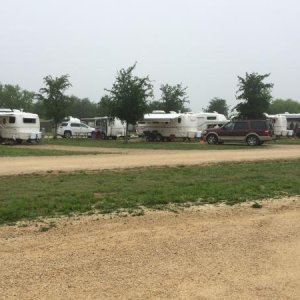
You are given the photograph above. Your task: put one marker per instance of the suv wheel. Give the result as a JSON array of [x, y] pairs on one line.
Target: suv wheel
[[252, 140], [67, 134], [212, 139]]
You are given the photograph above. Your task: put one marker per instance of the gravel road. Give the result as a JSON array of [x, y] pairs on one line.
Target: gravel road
[[207, 252]]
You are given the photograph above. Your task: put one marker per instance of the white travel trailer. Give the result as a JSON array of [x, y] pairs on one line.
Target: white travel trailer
[[107, 127], [18, 126], [159, 125], [279, 124]]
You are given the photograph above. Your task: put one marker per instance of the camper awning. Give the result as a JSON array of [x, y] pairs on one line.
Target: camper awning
[[161, 117]]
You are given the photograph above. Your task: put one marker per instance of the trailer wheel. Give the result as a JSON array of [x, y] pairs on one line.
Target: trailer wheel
[[158, 138], [18, 141]]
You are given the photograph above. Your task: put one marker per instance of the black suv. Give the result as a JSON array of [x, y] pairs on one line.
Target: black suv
[[253, 132]]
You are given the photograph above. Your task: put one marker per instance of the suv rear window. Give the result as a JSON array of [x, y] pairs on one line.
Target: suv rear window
[[64, 124], [258, 125]]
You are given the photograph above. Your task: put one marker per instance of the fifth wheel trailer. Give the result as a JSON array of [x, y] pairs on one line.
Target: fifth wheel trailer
[[160, 125]]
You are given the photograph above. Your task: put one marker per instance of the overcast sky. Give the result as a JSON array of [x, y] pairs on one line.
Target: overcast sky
[[202, 44]]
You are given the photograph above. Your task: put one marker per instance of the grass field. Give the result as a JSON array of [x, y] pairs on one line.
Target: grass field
[[31, 196], [141, 144]]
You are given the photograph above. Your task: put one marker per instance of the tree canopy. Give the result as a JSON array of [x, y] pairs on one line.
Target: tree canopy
[[55, 102], [13, 97], [129, 96], [280, 106], [255, 94], [219, 105], [173, 98]]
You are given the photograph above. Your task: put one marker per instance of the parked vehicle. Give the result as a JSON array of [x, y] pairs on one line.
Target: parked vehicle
[[279, 124], [107, 127], [74, 128], [18, 126], [159, 125], [252, 132]]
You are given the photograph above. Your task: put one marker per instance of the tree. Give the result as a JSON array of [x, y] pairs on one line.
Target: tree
[[129, 95], [219, 105], [255, 95], [104, 108], [81, 108], [13, 97], [54, 100], [173, 98], [280, 106]]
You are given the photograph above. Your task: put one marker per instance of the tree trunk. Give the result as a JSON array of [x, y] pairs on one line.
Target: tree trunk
[[126, 134]]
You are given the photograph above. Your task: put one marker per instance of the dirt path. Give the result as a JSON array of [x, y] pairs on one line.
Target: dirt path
[[208, 252], [201, 253], [120, 158]]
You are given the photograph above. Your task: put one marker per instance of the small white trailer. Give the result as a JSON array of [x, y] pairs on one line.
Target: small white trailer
[[280, 124], [159, 125], [107, 127], [18, 126]]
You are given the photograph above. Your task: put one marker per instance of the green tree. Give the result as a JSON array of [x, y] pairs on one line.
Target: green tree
[[13, 97], [54, 100], [280, 106], [219, 105], [81, 108], [155, 105], [104, 108], [129, 95], [173, 98], [255, 95]]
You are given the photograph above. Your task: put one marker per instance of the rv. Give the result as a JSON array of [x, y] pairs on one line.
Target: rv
[[159, 125], [18, 126], [279, 123], [107, 127]]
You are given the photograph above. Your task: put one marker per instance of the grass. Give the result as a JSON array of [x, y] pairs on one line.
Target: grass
[[140, 144], [178, 145], [6, 150], [31, 196]]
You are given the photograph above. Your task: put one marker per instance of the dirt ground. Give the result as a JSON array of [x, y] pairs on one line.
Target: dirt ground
[[205, 252]]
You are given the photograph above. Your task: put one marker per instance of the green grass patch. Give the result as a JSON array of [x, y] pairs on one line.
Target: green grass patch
[[30, 196], [6, 150], [141, 144]]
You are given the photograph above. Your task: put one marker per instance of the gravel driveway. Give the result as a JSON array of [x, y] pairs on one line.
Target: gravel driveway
[[207, 252]]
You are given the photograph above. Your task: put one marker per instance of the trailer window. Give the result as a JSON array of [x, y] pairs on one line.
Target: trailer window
[[29, 120], [179, 120], [211, 118], [12, 120]]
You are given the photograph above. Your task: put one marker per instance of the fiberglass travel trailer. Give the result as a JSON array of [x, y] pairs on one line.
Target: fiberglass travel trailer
[[279, 123], [107, 127], [18, 126], [159, 125]]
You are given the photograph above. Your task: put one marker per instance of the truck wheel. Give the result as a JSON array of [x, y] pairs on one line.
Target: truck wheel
[[212, 139], [252, 140], [67, 134]]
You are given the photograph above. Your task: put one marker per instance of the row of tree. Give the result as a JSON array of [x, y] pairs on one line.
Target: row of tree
[[131, 96]]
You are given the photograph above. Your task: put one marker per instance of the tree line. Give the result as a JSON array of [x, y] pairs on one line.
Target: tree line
[[131, 96]]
